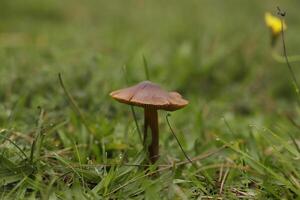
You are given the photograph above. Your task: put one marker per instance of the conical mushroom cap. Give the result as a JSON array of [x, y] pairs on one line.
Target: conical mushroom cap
[[148, 94]]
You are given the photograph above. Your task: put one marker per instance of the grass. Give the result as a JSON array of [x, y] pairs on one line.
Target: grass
[[241, 128]]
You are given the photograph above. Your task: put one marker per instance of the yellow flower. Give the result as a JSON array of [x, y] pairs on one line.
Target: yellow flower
[[274, 23]]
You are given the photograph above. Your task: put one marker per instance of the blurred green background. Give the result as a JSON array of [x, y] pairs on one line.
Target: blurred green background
[[208, 50], [216, 53]]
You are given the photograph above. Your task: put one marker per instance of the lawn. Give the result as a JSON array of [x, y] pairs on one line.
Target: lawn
[[68, 139]]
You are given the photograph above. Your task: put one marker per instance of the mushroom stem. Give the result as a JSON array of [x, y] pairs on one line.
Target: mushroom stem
[[151, 120]]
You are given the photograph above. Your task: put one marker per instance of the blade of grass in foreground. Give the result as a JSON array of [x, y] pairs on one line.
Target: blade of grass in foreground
[[266, 168], [74, 105]]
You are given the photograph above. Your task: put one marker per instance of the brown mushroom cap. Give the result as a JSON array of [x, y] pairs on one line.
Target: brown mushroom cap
[[148, 94]]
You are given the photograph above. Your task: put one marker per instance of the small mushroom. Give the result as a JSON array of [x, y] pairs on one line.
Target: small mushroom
[[151, 97]]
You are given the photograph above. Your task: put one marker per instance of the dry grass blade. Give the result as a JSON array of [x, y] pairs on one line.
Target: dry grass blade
[[223, 180], [200, 157]]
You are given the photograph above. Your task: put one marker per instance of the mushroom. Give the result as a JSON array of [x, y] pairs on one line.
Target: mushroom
[[151, 97]]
